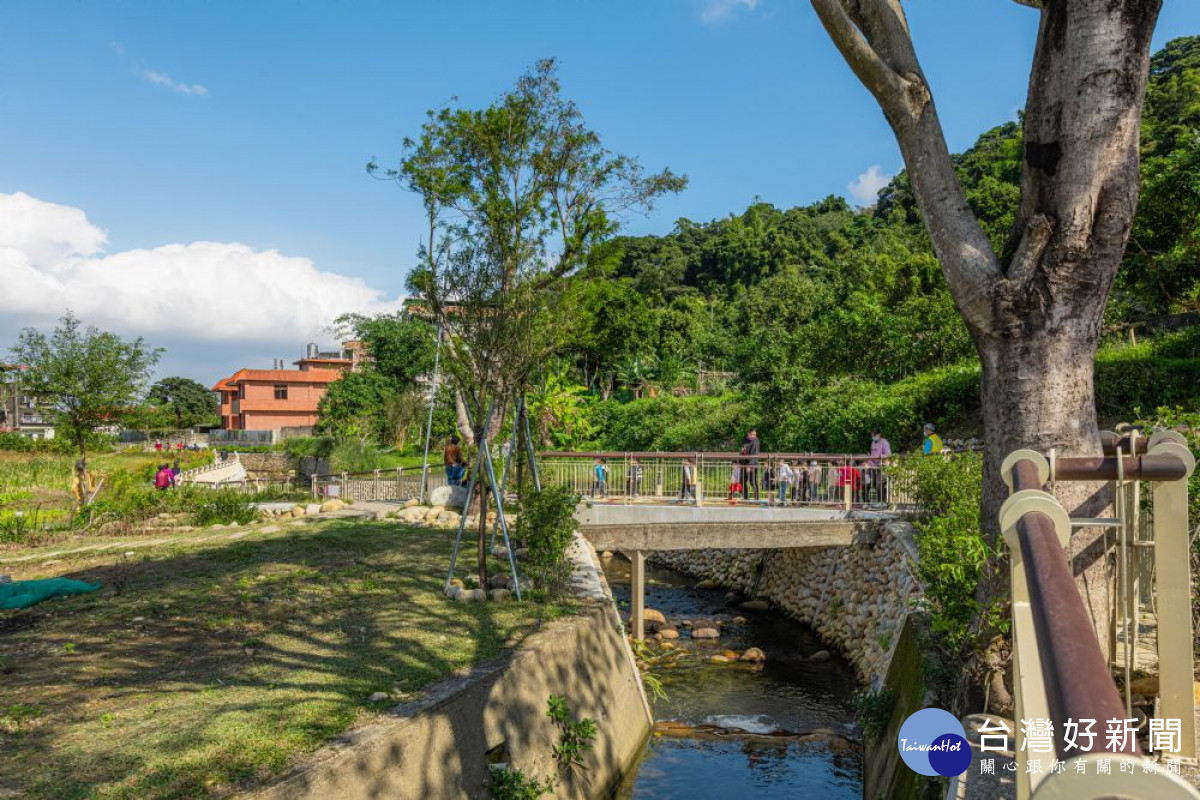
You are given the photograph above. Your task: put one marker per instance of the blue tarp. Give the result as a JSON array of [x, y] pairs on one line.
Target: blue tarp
[[23, 594]]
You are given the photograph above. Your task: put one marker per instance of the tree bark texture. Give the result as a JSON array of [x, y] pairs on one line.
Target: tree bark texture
[[1035, 309]]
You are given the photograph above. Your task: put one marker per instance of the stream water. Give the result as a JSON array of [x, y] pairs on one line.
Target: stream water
[[783, 728]]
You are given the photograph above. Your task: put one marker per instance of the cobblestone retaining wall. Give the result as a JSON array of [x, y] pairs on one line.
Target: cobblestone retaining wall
[[856, 597]]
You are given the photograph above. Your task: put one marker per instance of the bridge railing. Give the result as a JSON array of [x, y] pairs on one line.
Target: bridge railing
[[1061, 676], [717, 478]]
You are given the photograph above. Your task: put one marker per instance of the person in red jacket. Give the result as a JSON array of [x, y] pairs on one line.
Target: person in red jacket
[[162, 479]]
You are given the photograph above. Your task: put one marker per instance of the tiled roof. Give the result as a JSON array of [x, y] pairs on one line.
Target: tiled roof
[[278, 376]]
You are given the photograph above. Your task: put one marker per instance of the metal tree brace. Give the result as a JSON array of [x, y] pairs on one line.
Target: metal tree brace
[[489, 473]]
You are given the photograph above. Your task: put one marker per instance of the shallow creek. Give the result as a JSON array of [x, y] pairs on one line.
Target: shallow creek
[[783, 728]]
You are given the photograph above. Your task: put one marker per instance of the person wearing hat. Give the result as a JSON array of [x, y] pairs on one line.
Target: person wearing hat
[[933, 442]]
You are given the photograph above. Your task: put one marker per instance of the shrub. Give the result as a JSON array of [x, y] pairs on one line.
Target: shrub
[[874, 711], [952, 551], [547, 526], [510, 783], [222, 506], [352, 455]]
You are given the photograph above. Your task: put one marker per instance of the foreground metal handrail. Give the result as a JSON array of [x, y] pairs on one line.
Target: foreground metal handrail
[[1060, 672]]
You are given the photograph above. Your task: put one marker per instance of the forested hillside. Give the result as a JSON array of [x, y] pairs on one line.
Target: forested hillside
[[816, 323]]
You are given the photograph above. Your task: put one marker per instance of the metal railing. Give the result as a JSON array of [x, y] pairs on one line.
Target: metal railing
[[710, 478], [1060, 673], [402, 483]]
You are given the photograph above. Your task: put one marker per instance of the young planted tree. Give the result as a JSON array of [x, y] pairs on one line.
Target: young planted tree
[[190, 402], [516, 195], [1033, 307], [87, 376]]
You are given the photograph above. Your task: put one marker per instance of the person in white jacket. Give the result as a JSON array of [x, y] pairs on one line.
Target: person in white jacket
[[784, 475]]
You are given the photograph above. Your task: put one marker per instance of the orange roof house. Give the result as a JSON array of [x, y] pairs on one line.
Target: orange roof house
[[270, 399]]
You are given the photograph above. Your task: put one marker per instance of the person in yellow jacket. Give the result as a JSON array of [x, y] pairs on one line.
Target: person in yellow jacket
[[933, 442]]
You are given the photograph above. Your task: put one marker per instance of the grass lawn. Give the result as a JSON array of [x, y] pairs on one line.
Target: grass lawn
[[203, 667]]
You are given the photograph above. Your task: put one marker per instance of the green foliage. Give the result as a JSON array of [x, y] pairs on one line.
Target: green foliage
[[352, 408], [310, 446], [186, 401], [1188, 422], [873, 710], [222, 506], [559, 413], [953, 553], [510, 783], [577, 737], [87, 376], [672, 423], [547, 525], [354, 456]]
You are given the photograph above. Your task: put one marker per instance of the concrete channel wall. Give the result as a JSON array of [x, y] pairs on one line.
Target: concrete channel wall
[[440, 746]]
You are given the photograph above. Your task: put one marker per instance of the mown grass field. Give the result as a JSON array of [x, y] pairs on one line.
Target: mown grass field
[[203, 667]]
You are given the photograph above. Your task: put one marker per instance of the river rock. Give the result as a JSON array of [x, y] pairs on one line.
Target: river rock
[[707, 584], [739, 620], [471, 596], [454, 591], [299, 511], [377, 697], [820, 656], [332, 505], [412, 502], [666, 633], [500, 551], [499, 581], [1146, 686], [653, 615], [449, 496], [755, 605], [521, 552], [719, 659], [753, 655], [312, 508], [705, 629], [499, 595], [606, 554]]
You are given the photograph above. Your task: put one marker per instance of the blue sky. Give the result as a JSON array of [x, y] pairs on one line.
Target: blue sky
[[250, 123]]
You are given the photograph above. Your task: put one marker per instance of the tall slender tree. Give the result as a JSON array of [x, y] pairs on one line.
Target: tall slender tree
[[516, 195]]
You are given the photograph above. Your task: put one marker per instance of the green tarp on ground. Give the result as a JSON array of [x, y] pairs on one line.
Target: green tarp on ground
[[22, 594]]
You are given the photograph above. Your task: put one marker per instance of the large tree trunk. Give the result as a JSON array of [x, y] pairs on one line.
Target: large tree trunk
[[1037, 393]]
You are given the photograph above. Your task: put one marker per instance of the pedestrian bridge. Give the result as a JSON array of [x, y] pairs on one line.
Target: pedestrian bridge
[[629, 528]]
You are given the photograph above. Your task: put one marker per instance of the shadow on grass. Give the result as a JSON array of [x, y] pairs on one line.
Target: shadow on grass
[[213, 667]]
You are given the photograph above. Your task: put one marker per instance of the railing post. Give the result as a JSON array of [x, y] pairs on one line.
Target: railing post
[[637, 594], [345, 487], [847, 485], [399, 483], [658, 477], [314, 486], [375, 486], [1173, 564]]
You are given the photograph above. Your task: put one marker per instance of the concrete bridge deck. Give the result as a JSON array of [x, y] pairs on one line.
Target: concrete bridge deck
[[684, 527]]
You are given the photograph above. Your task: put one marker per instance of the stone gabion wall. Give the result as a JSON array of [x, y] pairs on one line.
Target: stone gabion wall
[[856, 597], [267, 463]]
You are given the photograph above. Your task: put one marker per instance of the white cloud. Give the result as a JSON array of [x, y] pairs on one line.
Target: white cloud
[[163, 79], [864, 189], [715, 12], [51, 260]]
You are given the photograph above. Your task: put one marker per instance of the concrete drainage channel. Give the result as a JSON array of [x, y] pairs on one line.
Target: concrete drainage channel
[[440, 746]]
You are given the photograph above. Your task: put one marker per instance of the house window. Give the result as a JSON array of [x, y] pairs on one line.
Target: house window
[[281, 391], [241, 391]]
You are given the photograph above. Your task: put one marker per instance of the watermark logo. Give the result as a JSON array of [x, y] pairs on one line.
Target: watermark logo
[[933, 742]]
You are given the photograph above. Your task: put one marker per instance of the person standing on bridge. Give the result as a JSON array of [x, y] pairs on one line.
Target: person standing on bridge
[[687, 485], [881, 451], [783, 480], [751, 446], [634, 479], [600, 483], [933, 442]]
